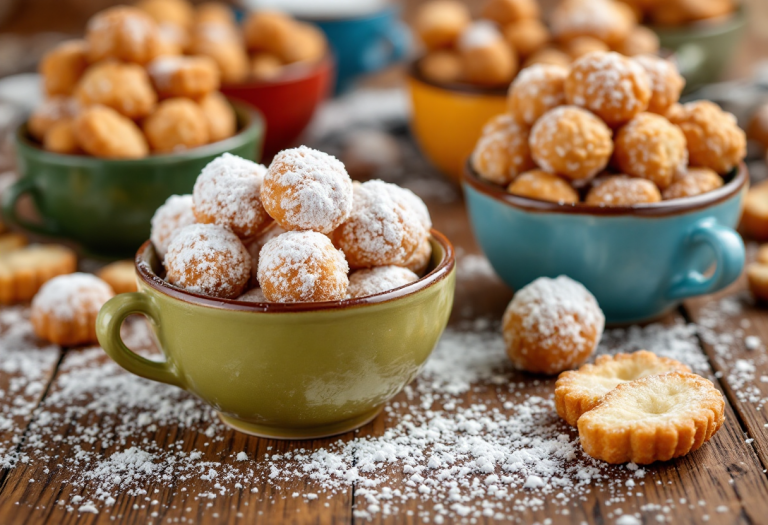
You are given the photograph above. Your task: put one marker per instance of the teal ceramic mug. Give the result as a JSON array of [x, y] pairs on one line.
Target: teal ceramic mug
[[287, 371], [106, 205], [638, 261]]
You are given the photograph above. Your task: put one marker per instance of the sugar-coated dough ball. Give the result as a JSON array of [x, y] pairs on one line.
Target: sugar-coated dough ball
[[601, 19], [223, 45], [548, 55], [177, 124], [306, 189], [536, 90], [526, 36], [538, 184], [254, 295], [572, 142], [440, 22], [208, 259], [255, 246], [651, 147], [363, 283], [505, 12], [307, 45], [622, 190], [757, 129], [502, 152], [302, 266], [266, 66], [229, 192], [103, 132], [640, 41], [552, 325], [419, 261], [442, 66], [168, 220], [62, 67], [176, 12], [269, 31], [666, 82], [487, 60], [50, 112], [61, 138], [122, 33], [714, 138], [221, 118], [694, 182], [215, 12], [126, 88], [582, 45], [184, 76], [754, 218], [612, 86]]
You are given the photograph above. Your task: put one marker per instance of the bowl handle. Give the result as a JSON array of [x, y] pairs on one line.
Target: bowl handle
[[11, 197], [729, 259], [108, 323]]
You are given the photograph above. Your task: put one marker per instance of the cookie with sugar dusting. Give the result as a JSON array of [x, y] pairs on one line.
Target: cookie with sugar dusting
[[175, 213], [371, 281]]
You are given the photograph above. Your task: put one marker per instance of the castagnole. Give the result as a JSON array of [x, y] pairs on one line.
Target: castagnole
[[172, 216], [536, 90], [122, 33], [622, 190], [502, 152], [538, 184]]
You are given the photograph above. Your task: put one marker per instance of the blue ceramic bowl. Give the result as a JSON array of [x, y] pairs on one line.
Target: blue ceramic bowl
[[638, 261]]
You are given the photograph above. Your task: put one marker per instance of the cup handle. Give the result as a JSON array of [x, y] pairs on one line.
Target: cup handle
[[729, 260], [11, 197], [397, 38], [108, 323]]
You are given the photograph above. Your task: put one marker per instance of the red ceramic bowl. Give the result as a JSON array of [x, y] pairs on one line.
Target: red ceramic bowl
[[287, 102]]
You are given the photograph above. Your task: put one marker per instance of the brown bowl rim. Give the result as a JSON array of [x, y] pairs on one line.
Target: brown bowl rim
[[292, 76], [414, 72], [440, 272]]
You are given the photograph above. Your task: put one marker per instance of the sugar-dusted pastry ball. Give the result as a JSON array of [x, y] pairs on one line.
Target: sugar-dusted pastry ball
[[103, 132], [214, 12], [695, 181], [177, 124], [173, 40], [208, 259], [754, 217], [120, 276], [505, 12], [266, 66], [538, 184], [601, 19], [442, 66], [363, 283], [651, 147], [487, 59], [176, 12], [306, 189], [307, 45], [612, 86], [223, 45], [255, 246], [61, 138], [666, 82], [582, 45], [126, 88], [572, 142], [757, 129], [419, 261], [502, 151], [548, 55], [52, 111], [62, 67], [536, 90], [440, 22], [714, 138], [254, 295], [221, 118], [526, 36], [622, 190], [184, 76], [229, 192], [302, 266], [640, 41], [168, 220], [552, 325], [269, 31], [122, 33]]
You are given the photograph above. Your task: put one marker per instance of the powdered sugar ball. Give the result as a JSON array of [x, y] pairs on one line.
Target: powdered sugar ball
[[544, 186], [255, 246], [302, 266], [601, 19], [380, 279], [419, 261], [572, 142], [552, 325], [666, 82], [122, 33], [228, 193], [306, 189], [612, 86], [694, 182], [168, 219], [622, 190], [502, 151], [208, 259], [536, 90]]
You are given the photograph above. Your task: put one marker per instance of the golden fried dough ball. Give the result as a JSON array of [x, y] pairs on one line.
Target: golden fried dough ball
[[302, 266], [280, 35], [505, 12], [652, 148], [225, 48], [265, 66], [184, 76], [536, 90], [173, 40], [176, 12], [548, 55], [640, 41], [125, 88], [601, 19], [442, 66], [754, 218], [177, 124], [173, 215], [694, 182], [307, 45], [214, 12], [502, 151], [440, 22], [757, 129], [255, 245], [221, 118], [622, 190], [371, 281], [103, 132], [612, 86], [543, 186], [666, 82], [487, 59], [51, 111], [62, 67], [582, 45], [757, 280], [61, 138], [419, 261], [714, 138], [527, 36], [122, 33], [571, 141]]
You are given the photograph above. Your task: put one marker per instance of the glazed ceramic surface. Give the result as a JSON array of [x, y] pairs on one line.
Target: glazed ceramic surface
[[286, 370], [639, 261], [106, 205]]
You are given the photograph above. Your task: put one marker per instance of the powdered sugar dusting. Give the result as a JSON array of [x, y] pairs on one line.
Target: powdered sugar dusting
[[380, 279], [168, 219], [67, 296], [481, 33]]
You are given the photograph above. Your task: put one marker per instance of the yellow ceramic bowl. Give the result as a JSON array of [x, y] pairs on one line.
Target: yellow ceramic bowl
[[447, 119]]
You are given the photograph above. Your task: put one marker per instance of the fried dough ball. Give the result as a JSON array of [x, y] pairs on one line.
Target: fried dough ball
[[443, 67], [536, 90], [552, 325], [62, 67], [502, 152], [61, 138], [208, 259], [223, 45], [254, 295], [612, 86], [694, 182], [52, 111], [363, 283], [269, 31], [103, 132], [601, 19], [173, 215], [228, 192], [306, 189], [176, 12], [757, 129], [548, 55], [221, 118], [640, 41], [666, 82], [214, 12], [622, 190], [302, 266], [571, 141], [122, 33], [487, 60], [255, 246], [265, 66], [440, 22], [125, 88], [754, 218], [652, 148], [419, 261], [184, 76], [176, 125], [526, 36], [173, 40], [120, 276], [307, 45], [757, 280], [538, 184], [714, 138], [505, 12], [582, 45]]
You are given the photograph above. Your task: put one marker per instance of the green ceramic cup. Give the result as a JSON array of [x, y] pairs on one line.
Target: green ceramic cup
[[286, 371], [106, 205]]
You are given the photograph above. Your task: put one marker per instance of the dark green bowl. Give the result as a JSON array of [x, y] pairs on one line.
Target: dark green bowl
[[106, 205]]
